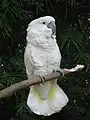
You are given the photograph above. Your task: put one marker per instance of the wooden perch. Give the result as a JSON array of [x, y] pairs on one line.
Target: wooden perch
[[9, 91]]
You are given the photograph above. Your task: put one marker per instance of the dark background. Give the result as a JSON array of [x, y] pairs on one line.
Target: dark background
[[73, 37]]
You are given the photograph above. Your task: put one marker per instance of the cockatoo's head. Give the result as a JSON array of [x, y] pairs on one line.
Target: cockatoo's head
[[43, 27]]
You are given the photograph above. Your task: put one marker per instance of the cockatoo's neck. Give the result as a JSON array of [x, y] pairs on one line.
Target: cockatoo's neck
[[44, 43]]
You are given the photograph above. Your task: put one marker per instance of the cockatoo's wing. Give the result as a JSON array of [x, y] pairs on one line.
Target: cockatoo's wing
[[29, 63]]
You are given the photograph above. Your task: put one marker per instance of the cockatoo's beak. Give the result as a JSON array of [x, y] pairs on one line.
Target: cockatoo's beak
[[53, 27]]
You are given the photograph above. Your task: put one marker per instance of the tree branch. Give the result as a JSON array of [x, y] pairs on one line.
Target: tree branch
[[9, 91]]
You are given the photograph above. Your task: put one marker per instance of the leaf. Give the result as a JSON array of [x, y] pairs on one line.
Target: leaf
[[4, 3], [0, 23]]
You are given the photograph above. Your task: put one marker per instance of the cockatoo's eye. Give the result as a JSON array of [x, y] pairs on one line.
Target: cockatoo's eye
[[43, 22]]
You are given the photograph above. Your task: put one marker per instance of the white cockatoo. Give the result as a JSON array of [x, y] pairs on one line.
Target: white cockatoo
[[42, 56]]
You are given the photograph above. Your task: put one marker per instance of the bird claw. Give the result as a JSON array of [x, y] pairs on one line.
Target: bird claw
[[42, 79], [61, 71]]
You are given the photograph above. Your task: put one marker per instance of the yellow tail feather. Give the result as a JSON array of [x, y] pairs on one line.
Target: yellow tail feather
[[51, 93], [36, 95]]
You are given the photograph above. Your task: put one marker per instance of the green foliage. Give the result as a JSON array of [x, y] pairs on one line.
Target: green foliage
[[73, 36], [9, 13]]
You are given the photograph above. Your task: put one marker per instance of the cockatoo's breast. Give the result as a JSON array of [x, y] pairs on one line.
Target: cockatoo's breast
[[45, 59]]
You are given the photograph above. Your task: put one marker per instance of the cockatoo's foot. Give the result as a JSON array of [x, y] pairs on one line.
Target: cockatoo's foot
[[61, 71], [42, 78]]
